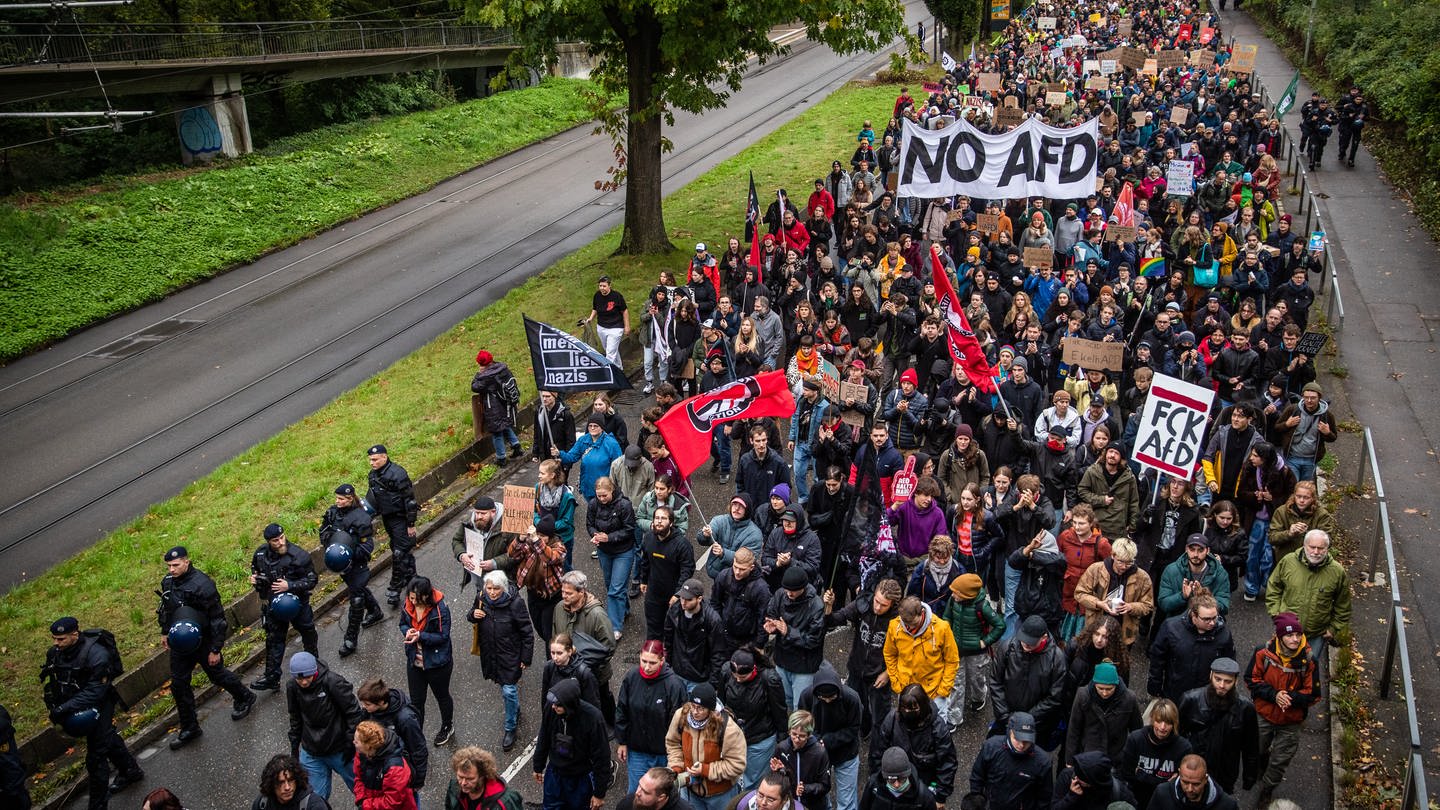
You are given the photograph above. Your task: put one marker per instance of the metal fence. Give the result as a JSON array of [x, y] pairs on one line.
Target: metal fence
[[57, 44]]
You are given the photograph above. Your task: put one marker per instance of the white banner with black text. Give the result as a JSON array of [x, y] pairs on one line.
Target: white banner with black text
[[1032, 160]]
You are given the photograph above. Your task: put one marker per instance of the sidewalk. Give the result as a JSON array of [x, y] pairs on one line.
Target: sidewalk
[[1389, 369]]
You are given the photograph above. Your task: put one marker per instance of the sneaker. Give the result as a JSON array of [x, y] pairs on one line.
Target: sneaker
[[372, 619], [724, 478], [124, 780], [266, 684], [185, 737], [649, 389], [1250, 597], [594, 553], [444, 736], [617, 635], [508, 741], [243, 706]]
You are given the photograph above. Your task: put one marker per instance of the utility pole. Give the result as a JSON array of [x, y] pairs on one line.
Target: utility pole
[[1309, 32]]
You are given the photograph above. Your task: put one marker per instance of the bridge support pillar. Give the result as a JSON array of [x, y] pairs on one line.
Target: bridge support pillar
[[217, 124]]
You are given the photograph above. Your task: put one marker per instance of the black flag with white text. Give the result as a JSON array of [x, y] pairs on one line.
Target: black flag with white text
[[566, 364]]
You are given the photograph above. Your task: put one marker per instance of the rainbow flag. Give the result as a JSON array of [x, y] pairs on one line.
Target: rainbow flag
[[1152, 267]]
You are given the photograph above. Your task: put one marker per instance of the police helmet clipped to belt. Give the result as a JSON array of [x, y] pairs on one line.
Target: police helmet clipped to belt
[[81, 723], [186, 630], [286, 607], [340, 552]]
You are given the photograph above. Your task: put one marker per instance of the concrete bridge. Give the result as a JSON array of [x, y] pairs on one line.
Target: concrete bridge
[[212, 62]]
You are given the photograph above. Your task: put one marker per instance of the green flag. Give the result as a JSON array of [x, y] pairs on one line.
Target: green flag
[[1287, 99]]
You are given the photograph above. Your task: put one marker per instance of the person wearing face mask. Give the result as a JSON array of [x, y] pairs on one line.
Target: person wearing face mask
[[1011, 770], [837, 713], [1089, 783], [896, 786], [572, 757], [790, 544], [1221, 725], [915, 727]]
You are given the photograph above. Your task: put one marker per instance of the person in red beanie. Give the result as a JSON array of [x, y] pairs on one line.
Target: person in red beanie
[[905, 410], [1282, 683], [497, 385]]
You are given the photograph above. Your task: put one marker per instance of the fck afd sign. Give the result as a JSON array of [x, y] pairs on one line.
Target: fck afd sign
[[1031, 160], [1172, 426]]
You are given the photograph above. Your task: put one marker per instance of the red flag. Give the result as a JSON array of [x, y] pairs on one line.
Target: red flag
[[688, 426], [964, 346], [1125, 207]]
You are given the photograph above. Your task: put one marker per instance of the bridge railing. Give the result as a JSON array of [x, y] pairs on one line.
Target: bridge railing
[[120, 42]]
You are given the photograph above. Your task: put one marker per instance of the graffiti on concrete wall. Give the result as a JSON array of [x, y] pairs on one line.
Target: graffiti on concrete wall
[[199, 132]]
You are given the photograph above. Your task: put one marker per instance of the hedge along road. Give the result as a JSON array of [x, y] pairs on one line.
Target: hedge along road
[[128, 413]]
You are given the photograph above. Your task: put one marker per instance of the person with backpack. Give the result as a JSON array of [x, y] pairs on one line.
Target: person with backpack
[[501, 394], [391, 708], [323, 715], [79, 675]]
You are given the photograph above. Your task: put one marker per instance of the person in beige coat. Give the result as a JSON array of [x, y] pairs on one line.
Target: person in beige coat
[[1117, 587], [706, 748]]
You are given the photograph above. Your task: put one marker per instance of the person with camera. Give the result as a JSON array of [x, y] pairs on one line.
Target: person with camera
[[193, 629], [79, 676], [349, 525], [283, 577]]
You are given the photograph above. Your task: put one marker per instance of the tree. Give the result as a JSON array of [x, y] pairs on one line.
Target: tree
[[675, 54], [961, 19]]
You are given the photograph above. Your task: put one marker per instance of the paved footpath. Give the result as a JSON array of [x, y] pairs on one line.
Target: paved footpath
[[1385, 262]]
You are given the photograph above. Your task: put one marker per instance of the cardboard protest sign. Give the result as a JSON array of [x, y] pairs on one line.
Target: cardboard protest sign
[[1150, 68], [1170, 59], [1133, 58], [1120, 233], [1046, 23], [1172, 426], [1126, 26], [1090, 66], [1092, 354], [1033, 49], [1012, 101], [1139, 116], [857, 392], [986, 82], [1097, 83], [974, 101], [1054, 99], [1311, 343], [987, 223], [1009, 116], [1108, 66], [519, 505], [1242, 59], [1180, 178], [1038, 257], [1179, 115], [1056, 87], [958, 213]]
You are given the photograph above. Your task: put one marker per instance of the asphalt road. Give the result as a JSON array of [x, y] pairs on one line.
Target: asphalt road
[[127, 413], [222, 769]]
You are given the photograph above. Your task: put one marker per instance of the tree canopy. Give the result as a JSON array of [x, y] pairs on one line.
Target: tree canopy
[[668, 55]]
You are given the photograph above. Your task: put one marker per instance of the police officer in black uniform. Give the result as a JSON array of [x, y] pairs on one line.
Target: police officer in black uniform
[[1306, 110], [1320, 122], [79, 675], [278, 568], [188, 594], [392, 496], [349, 517], [14, 795], [1354, 112]]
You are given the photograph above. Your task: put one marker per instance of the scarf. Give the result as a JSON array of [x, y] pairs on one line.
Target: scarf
[[549, 496], [937, 572], [809, 367]]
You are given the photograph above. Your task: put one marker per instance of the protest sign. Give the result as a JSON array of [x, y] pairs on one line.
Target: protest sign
[[1242, 59], [974, 101], [1170, 59], [1120, 233], [1311, 343], [858, 393], [1090, 66], [1047, 23], [1186, 31], [829, 380], [1107, 67], [1139, 116], [1093, 354], [1126, 26], [1202, 58], [1033, 160], [987, 223], [986, 82], [1097, 83], [1012, 101], [519, 505], [1180, 178], [1038, 257], [1033, 49], [1133, 58], [1172, 426], [1054, 99], [1179, 115], [1150, 68], [999, 9], [1206, 34], [1009, 116]]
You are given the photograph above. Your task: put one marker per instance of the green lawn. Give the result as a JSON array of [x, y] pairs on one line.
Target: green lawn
[[420, 406], [69, 260]]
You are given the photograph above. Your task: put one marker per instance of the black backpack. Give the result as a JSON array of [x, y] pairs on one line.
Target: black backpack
[[106, 640]]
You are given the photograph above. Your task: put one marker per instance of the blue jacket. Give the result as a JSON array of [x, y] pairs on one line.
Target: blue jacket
[[595, 456], [821, 406], [563, 513]]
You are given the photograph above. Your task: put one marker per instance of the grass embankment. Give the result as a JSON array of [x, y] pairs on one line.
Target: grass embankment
[[69, 259], [418, 407]]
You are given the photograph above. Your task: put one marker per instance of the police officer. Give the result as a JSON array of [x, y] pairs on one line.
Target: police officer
[[189, 597], [349, 516], [1354, 112], [392, 496], [1306, 110], [79, 676], [14, 795], [1320, 122], [280, 568]]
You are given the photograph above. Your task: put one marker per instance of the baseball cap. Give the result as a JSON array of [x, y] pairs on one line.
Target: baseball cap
[[1032, 630], [699, 247], [691, 589], [1197, 539], [1022, 725]]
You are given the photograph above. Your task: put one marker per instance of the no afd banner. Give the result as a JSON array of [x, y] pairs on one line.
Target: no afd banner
[[1031, 160], [1172, 427]]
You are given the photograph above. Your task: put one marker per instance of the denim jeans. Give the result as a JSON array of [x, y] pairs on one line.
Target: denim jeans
[[637, 763], [510, 694], [1304, 468], [795, 684], [616, 569], [720, 450], [1012, 584], [800, 469], [503, 440], [1261, 559], [757, 762], [319, 768], [717, 802], [652, 367], [847, 791]]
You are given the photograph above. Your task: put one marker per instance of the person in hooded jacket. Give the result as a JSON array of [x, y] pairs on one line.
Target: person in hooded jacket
[[496, 385], [1022, 519], [572, 755], [828, 507], [870, 615], [694, 637], [977, 627], [1152, 754], [649, 696], [796, 618], [1221, 725], [920, 649], [323, 715], [896, 786], [666, 561], [284, 785], [924, 734], [1042, 578], [802, 758], [1030, 676], [1083, 545], [391, 708], [477, 784], [789, 545], [1010, 770], [564, 663], [836, 711], [1187, 645], [916, 521], [1088, 783], [382, 775], [753, 695], [505, 641], [741, 597], [728, 533], [1104, 713]]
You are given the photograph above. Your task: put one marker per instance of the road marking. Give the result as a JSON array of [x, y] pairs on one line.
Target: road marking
[[519, 762]]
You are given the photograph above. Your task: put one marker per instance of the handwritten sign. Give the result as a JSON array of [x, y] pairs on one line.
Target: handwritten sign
[[1120, 233], [1033, 49], [988, 82], [1108, 66], [1047, 23], [1126, 26], [1012, 101], [987, 223], [1139, 116], [857, 392], [1090, 66], [1242, 59], [1039, 257], [1133, 58], [519, 509], [1008, 117], [1054, 99], [1311, 343], [1202, 58], [1150, 68], [1170, 59], [829, 380], [1179, 115], [1097, 83], [1093, 354], [1180, 178]]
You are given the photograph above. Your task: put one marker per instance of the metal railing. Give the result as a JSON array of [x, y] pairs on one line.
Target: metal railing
[[24, 44]]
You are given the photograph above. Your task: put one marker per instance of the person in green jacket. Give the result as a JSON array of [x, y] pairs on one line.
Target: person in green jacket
[[977, 626], [1196, 568], [1112, 491], [1315, 587], [477, 784]]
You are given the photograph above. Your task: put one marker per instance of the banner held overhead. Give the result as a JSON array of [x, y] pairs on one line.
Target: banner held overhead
[[1032, 160]]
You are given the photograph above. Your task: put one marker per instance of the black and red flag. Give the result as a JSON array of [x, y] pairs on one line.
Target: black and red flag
[[688, 426], [752, 229], [964, 346]]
